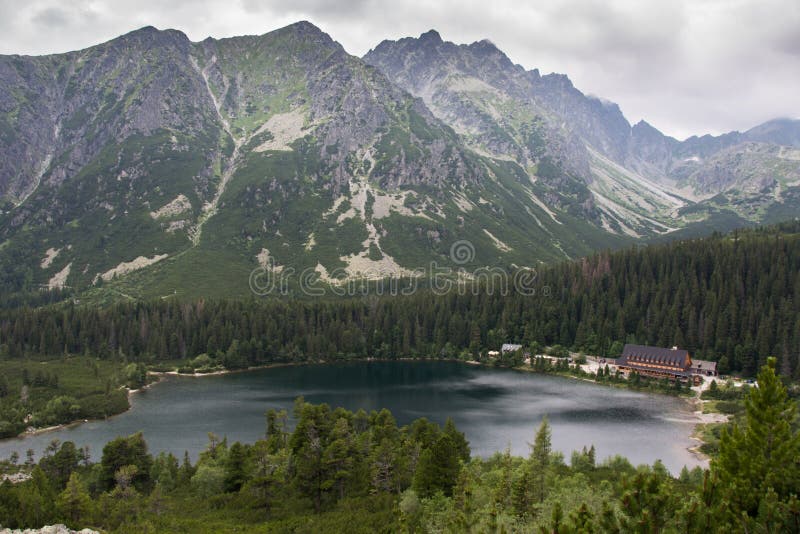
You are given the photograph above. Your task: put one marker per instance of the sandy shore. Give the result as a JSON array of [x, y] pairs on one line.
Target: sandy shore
[[45, 430], [227, 371]]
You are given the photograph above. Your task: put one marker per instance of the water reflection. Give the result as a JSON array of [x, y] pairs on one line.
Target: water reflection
[[495, 408]]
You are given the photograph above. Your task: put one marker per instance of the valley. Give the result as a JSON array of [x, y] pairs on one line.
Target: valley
[[384, 267]]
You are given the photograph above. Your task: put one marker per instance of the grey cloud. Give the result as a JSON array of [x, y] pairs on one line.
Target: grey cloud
[[610, 25], [322, 8], [51, 17]]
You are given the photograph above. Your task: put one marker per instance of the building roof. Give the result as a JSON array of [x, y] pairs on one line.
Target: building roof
[[655, 358], [510, 347], [702, 366]]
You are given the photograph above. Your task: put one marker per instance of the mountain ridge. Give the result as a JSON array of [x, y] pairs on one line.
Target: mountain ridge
[[130, 165], [280, 149], [685, 170]]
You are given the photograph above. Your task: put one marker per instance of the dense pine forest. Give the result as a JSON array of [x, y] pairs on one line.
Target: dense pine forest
[[732, 298], [339, 471]]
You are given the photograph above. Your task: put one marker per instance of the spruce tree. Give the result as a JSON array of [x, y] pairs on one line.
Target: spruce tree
[[459, 440], [763, 453], [339, 457], [438, 468], [235, 468], [540, 459], [74, 504]]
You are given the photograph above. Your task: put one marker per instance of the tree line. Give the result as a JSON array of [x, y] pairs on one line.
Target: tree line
[[734, 299], [339, 471]]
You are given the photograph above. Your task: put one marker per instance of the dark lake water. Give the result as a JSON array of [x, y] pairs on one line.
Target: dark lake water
[[494, 407]]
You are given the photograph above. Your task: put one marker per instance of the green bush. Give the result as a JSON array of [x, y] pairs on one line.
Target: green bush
[[203, 360], [102, 405]]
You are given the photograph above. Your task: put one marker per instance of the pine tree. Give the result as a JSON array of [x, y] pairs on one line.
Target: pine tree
[[459, 440], [36, 500], [308, 442], [186, 471], [276, 429], [235, 468], [581, 520], [761, 454], [438, 468], [540, 460], [74, 503], [648, 502], [339, 457], [126, 451], [269, 474]]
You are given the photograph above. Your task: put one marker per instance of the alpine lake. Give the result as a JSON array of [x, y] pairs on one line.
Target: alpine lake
[[495, 408]]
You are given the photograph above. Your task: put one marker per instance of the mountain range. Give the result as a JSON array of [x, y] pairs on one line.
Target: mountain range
[[152, 165]]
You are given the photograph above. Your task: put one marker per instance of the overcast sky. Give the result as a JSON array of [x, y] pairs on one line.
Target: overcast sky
[[686, 66]]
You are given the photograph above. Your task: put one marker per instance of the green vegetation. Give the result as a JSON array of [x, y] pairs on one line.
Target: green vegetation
[[731, 299], [702, 295], [339, 471], [97, 222], [44, 393]]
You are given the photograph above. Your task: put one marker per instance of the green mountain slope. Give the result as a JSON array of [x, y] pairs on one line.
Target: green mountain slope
[[151, 166], [184, 173]]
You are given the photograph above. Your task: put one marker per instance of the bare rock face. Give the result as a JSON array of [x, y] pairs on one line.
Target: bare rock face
[[571, 141], [62, 110], [151, 146], [490, 101]]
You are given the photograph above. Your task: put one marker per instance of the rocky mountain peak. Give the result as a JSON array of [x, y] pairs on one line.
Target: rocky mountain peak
[[305, 29], [783, 131], [149, 36], [143, 31], [646, 131], [430, 37], [301, 34]]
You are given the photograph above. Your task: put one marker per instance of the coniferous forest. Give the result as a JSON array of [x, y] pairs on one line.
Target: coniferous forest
[[731, 298], [339, 471]]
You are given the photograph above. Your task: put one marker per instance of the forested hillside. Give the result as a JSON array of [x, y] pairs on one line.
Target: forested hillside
[[734, 299]]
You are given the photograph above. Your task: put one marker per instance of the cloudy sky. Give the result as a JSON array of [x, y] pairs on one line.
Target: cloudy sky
[[686, 66]]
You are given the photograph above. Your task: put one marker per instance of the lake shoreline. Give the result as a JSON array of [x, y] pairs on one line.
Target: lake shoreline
[[54, 428], [705, 419], [160, 376]]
